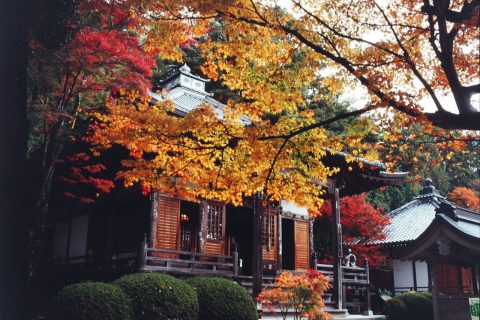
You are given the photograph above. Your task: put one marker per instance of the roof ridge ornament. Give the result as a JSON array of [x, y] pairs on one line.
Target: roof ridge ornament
[[447, 209], [185, 68], [428, 187]]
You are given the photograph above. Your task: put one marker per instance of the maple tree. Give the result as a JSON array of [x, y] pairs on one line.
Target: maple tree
[[362, 225], [269, 139], [449, 158], [95, 52], [465, 197], [405, 53], [301, 293], [269, 56], [402, 52]]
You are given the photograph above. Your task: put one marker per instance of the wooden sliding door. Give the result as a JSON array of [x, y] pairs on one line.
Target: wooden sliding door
[[167, 230], [302, 241], [214, 227]]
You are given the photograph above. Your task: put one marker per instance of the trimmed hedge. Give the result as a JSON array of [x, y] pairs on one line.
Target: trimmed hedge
[[410, 306], [92, 301], [419, 306], [221, 299], [395, 309], [157, 296]]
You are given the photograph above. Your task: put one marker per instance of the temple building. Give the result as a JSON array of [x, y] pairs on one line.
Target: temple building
[[434, 246], [250, 243]]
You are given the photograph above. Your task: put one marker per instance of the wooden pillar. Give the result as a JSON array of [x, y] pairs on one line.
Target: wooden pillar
[[337, 250], [368, 312], [313, 255], [279, 240], [235, 260], [475, 280], [434, 287], [414, 272], [153, 220], [201, 230], [257, 259], [142, 254]]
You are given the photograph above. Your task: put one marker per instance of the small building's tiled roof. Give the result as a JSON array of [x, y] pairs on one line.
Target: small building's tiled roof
[[410, 220], [454, 235], [186, 99], [464, 220]]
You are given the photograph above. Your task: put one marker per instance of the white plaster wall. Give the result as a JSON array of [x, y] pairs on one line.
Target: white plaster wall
[[194, 84], [402, 275], [293, 208], [78, 239], [422, 275]]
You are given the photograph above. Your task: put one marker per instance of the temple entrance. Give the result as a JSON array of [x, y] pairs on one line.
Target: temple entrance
[[188, 226], [239, 232], [288, 244]]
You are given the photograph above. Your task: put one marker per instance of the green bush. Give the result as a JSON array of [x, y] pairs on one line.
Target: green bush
[[221, 299], [426, 294], [419, 305], [157, 296], [92, 301], [395, 309], [410, 306]]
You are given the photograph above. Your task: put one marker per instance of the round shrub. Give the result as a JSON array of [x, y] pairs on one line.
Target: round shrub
[[157, 296], [92, 301], [419, 305], [220, 299], [426, 294], [395, 309]]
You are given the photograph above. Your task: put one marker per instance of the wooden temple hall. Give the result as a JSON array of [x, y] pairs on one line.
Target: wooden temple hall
[[251, 244], [254, 240]]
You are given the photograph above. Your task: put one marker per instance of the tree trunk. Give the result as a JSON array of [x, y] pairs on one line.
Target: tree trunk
[[39, 218]]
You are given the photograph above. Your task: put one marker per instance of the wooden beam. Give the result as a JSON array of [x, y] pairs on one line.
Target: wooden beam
[[337, 250], [257, 259]]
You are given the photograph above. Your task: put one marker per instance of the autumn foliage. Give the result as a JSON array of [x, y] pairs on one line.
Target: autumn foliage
[[362, 225], [270, 57], [300, 294], [465, 197]]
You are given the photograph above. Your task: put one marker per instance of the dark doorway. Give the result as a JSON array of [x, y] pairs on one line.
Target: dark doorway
[[189, 226], [288, 245], [239, 231]]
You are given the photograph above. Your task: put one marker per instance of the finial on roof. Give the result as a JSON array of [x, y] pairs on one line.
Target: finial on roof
[[185, 68], [428, 187], [448, 209]]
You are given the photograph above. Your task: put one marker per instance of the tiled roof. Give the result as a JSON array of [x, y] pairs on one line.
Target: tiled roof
[[410, 220], [451, 223], [186, 99], [466, 221]]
